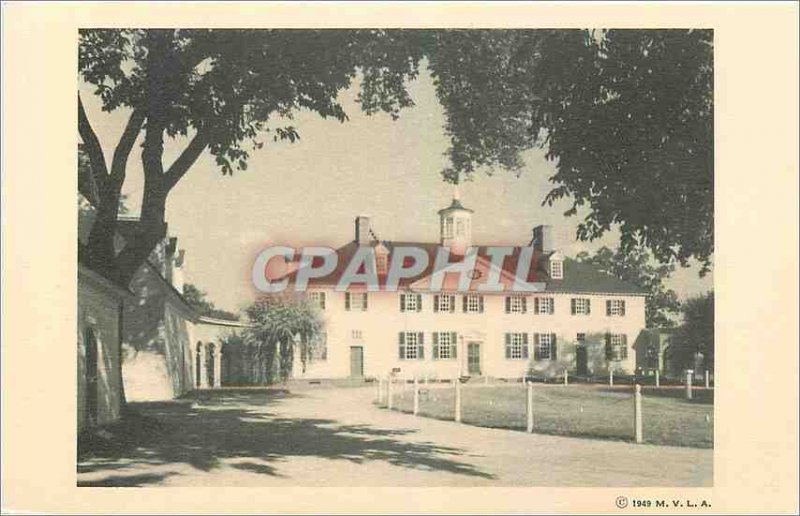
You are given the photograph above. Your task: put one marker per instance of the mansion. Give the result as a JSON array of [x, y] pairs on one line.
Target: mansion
[[578, 319]]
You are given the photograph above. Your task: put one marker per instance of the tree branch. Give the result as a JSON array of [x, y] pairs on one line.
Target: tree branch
[[187, 158], [97, 163], [123, 150]]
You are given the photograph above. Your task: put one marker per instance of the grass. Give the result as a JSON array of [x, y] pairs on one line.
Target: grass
[[575, 410]]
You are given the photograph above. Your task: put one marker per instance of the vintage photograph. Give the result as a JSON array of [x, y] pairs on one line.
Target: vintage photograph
[[395, 257]]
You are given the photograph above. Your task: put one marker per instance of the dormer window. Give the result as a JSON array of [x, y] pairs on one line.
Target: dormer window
[[447, 228], [556, 269]]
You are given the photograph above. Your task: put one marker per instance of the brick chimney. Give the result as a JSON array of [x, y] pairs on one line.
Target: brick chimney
[[362, 230], [543, 240]]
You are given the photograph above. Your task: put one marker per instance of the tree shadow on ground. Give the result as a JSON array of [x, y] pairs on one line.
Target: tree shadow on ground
[[238, 429]]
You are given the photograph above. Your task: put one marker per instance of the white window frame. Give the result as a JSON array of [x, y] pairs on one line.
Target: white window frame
[[582, 306], [473, 303], [444, 303], [356, 334], [357, 301], [409, 337], [549, 301], [318, 298], [617, 343], [516, 343], [616, 307], [556, 269], [447, 227], [410, 303], [516, 304], [545, 346], [444, 343]]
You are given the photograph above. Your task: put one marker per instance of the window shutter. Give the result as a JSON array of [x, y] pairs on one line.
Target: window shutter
[[572, 303], [419, 302], [421, 347], [322, 300], [536, 305], [364, 305], [536, 354], [525, 353], [436, 304], [402, 347], [624, 350], [524, 305], [435, 351], [608, 307], [347, 301], [553, 347], [402, 302], [508, 345], [453, 344], [508, 304], [609, 351], [622, 308], [480, 304], [588, 306], [464, 302], [552, 305], [452, 304]]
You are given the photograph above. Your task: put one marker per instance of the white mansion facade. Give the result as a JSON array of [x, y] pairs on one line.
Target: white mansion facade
[[582, 320]]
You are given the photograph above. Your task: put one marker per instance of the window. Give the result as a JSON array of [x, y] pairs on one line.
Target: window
[[545, 346], [581, 338], [581, 306], [410, 302], [444, 345], [473, 304], [412, 346], [616, 347], [447, 227], [557, 269], [356, 335], [355, 302], [444, 303], [615, 307], [319, 348], [381, 263], [516, 346], [516, 304], [543, 305], [318, 298]]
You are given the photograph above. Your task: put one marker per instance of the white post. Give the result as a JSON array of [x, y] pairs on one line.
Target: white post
[[218, 366], [458, 400], [637, 412], [566, 377], [610, 377], [658, 379], [707, 380], [389, 393], [380, 391], [416, 396], [689, 384], [529, 406], [203, 367]]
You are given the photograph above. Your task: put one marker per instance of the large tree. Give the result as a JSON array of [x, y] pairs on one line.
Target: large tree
[[625, 114], [636, 267], [695, 337]]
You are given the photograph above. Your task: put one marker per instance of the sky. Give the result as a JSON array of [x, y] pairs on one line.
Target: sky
[[309, 193]]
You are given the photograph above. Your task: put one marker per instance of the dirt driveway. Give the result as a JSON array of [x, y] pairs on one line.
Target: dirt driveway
[[336, 437]]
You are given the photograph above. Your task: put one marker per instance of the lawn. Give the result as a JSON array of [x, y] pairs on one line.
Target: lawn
[[575, 410]]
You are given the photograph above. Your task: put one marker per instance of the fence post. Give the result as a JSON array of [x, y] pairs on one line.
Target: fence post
[[416, 396], [389, 393], [380, 391], [689, 384], [707, 380], [637, 412], [529, 405], [566, 377], [458, 400], [658, 379], [610, 377]]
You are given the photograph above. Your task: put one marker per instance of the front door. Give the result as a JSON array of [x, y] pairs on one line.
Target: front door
[[90, 344], [581, 361], [474, 359], [356, 361]]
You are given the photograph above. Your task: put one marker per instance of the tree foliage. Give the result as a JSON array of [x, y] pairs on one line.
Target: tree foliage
[[696, 336], [198, 299], [626, 115], [280, 323], [636, 267]]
